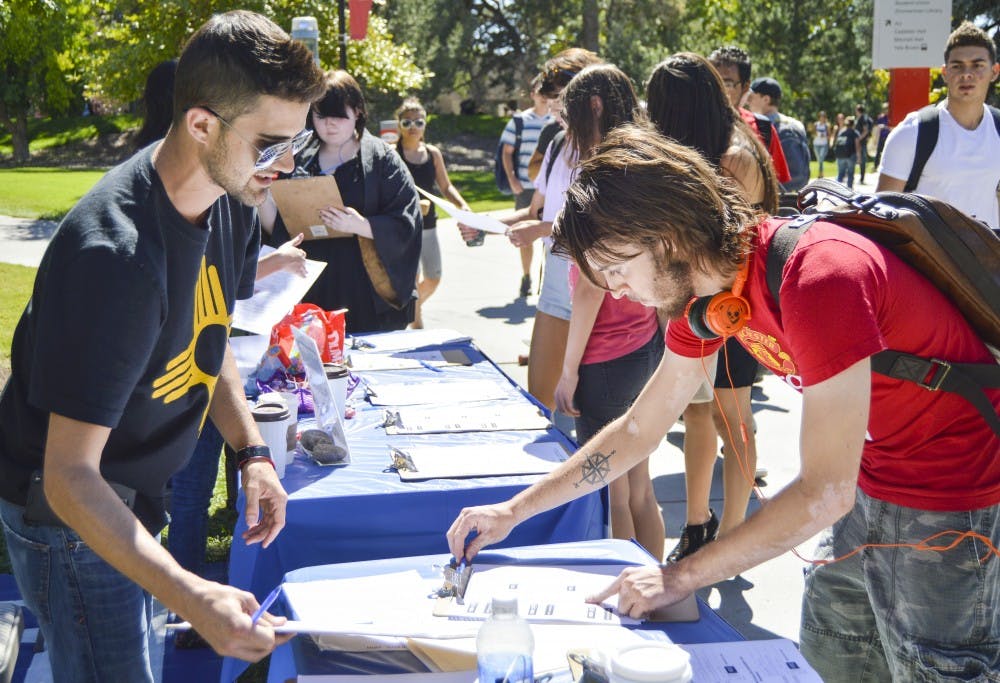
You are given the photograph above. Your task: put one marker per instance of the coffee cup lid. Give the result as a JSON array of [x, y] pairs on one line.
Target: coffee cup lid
[[335, 370], [270, 412]]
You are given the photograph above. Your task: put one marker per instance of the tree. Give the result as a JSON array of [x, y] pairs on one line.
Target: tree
[[130, 39], [36, 63]]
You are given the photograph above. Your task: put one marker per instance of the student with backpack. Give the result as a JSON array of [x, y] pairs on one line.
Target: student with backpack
[[847, 147], [906, 585], [952, 150], [864, 125], [517, 144]]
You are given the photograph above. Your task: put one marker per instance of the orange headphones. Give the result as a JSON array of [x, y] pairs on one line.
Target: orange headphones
[[723, 314]]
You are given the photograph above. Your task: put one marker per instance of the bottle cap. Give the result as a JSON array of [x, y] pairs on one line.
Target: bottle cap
[[651, 662], [505, 604]]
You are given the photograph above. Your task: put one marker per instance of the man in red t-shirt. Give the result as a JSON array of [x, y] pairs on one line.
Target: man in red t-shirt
[[883, 461], [733, 65]]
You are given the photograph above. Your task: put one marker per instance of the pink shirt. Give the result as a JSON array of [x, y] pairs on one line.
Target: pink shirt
[[621, 327]]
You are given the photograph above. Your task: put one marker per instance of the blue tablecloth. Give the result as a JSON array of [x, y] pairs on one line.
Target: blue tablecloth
[[302, 657], [361, 512]]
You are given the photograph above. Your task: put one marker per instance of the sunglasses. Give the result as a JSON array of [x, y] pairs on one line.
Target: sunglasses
[[407, 123], [270, 154]]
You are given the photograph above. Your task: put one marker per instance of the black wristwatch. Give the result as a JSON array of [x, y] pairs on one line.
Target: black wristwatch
[[249, 454]]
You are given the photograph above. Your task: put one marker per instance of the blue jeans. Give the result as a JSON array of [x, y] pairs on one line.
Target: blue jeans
[[606, 390], [845, 169], [191, 495], [821, 152], [96, 621], [901, 614]]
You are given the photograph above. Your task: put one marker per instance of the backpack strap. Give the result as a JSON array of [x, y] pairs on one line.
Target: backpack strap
[[968, 380], [518, 134], [927, 135], [766, 129], [556, 146]]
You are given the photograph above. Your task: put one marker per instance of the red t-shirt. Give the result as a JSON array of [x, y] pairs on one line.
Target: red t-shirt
[[773, 148], [844, 298], [621, 327]]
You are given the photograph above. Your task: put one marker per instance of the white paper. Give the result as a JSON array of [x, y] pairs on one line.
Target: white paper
[[435, 393], [502, 416], [544, 594], [482, 460], [748, 661], [401, 360], [473, 220], [273, 296], [248, 351], [394, 605], [405, 340]]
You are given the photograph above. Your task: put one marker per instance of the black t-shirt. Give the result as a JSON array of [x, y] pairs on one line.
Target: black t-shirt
[[549, 131], [126, 328]]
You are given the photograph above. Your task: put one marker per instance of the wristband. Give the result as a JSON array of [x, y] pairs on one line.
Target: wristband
[[250, 454]]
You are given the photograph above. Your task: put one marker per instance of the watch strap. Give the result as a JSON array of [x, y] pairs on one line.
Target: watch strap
[[249, 454]]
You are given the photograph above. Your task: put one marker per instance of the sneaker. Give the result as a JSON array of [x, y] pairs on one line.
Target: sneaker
[[525, 285], [694, 537]]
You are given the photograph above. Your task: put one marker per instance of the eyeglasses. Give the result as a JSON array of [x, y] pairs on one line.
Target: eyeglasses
[[269, 155], [406, 123]]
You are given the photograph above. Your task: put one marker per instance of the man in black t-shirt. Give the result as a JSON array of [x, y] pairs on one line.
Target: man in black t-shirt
[[122, 354], [863, 124]]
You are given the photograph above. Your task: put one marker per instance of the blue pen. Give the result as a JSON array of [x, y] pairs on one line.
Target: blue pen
[[268, 601], [431, 367]]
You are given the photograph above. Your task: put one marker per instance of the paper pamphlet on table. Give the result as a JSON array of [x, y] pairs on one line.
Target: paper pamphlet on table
[[748, 661], [406, 360], [388, 608], [491, 417], [273, 296], [435, 393], [480, 460], [299, 201], [473, 220], [248, 350], [544, 594], [328, 417], [552, 642], [406, 340]]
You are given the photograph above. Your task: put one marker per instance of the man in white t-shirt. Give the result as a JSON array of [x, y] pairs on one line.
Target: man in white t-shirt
[[964, 166], [515, 163]]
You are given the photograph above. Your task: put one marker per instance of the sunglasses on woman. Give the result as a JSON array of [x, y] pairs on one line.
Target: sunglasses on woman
[[407, 123]]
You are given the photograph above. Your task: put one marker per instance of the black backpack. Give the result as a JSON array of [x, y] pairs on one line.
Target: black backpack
[[499, 174], [927, 135], [843, 146], [958, 254]]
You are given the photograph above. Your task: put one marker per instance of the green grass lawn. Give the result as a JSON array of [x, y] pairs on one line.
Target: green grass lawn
[[50, 133], [35, 192]]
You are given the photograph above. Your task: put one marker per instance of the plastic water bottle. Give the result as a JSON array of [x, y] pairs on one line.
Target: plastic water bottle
[[306, 29], [504, 645]]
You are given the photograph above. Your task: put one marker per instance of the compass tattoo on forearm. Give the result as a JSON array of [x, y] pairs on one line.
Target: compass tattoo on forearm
[[595, 470]]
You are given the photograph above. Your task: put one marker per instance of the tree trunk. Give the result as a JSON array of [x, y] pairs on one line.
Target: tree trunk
[[19, 139], [589, 37]]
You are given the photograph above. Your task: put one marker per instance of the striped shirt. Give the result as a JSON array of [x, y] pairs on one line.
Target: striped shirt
[[533, 124]]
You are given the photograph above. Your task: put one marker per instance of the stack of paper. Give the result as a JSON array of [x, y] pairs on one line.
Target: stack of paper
[[481, 460], [502, 416]]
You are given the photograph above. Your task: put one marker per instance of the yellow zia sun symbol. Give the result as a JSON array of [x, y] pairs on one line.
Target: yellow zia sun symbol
[[182, 372]]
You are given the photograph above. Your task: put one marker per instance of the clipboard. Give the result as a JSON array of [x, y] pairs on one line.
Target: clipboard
[[299, 201]]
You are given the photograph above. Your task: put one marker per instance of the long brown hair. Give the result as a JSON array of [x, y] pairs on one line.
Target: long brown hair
[[687, 102], [619, 105], [641, 189]]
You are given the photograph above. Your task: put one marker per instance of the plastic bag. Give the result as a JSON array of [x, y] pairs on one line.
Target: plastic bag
[[281, 366]]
